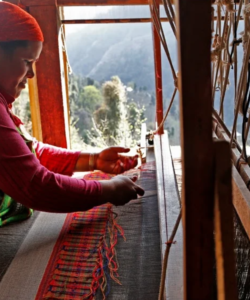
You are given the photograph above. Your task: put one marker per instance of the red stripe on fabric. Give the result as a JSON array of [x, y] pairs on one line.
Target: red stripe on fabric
[[76, 268], [52, 259], [57, 266]]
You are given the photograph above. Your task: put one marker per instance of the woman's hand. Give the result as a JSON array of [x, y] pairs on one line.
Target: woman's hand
[[120, 190], [110, 160]]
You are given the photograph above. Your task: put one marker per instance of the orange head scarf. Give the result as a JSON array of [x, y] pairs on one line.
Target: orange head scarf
[[18, 25]]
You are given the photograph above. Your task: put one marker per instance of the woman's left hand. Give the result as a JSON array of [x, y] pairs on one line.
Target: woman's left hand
[[111, 161]]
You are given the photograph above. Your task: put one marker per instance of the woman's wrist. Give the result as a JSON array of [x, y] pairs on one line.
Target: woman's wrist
[[108, 190], [93, 161], [86, 163]]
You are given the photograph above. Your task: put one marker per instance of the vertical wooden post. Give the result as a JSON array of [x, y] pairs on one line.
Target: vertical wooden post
[[51, 89], [158, 77], [35, 109], [194, 39], [66, 71], [224, 242]]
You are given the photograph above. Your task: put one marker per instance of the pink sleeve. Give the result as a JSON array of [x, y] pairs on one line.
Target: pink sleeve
[[55, 159], [28, 182]]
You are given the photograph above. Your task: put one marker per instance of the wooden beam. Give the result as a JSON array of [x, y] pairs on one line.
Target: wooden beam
[[241, 200], [241, 166], [197, 149], [28, 3], [240, 179], [101, 2], [115, 21], [223, 216], [158, 78], [35, 109], [169, 208], [82, 2], [106, 2], [51, 89], [87, 2], [111, 21]]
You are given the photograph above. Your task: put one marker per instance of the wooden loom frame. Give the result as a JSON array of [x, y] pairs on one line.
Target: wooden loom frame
[[196, 109]]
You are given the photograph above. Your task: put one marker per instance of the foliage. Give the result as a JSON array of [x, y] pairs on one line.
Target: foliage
[[108, 114], [135, 119], [85, 98], [111, 117], [76, 140], [90, 98], [102, 115]]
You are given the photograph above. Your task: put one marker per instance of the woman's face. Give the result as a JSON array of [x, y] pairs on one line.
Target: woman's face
[[16, 67]]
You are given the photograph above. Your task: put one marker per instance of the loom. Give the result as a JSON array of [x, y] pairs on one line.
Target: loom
[[164, 257]]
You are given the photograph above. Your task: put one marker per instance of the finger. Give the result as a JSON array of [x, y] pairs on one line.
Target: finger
[[129, 162], [118, 169], [120, 149], [135, 161], [140, 191], [134, 178], [132, 161], [129, 157]]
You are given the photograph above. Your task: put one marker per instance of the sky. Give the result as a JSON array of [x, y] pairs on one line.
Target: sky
[[82, 12]]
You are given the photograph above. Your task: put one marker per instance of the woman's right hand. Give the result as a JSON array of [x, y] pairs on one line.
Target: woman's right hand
[[120, 190]]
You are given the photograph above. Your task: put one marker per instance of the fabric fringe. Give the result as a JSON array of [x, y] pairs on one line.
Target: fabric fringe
[[85, 260]]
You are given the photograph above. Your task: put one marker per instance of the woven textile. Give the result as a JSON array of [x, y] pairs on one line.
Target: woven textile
[[139, 258], [84, 257]]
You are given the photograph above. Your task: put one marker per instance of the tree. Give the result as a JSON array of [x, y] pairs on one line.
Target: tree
[[111, 117], [85, 98], [135, 119], [90, 98]]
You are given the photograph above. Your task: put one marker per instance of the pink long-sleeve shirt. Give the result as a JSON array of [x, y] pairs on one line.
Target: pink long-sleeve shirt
[[41, 182]]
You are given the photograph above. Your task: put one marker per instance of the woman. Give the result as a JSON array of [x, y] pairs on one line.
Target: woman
[[42, 181]]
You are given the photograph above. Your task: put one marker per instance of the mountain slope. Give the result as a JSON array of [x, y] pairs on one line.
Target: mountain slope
[[104, 50]]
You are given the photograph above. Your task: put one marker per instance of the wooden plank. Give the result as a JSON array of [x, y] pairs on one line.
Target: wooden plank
[[115, 21], [66, 83], [169, 208], [223, 216], [102, 2], [51, 88], [241, 194], [86, 2], [241, 200], [242, 167], [107, 2], [112, 21], [83, 2], [33, 2], [158, 77], [196, 141], [35, 108]]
